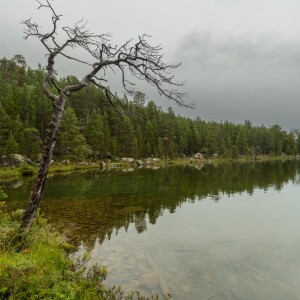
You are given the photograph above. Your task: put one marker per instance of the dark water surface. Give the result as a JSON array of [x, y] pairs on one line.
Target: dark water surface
[[229, 231]]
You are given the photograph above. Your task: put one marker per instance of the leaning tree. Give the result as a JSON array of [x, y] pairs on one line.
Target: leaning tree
[[132, 59]]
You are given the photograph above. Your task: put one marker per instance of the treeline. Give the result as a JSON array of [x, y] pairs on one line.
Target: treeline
[[94, 128]]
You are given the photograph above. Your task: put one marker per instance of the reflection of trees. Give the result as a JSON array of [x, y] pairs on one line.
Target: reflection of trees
[[93, 204], [140, 222]]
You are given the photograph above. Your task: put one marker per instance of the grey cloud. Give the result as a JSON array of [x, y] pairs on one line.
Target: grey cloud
[[234, 71], [205, 50], [245, 76]]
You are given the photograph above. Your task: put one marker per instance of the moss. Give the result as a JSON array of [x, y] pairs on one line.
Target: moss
[[41, 269], [27, 274]]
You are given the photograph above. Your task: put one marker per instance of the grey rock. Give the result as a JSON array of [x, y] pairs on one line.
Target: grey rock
[[128, 160], [14, 160], [199, 156], [139, 162]]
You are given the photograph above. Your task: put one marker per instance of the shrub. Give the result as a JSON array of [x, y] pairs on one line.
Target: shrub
[[40, 268], [2, 194]]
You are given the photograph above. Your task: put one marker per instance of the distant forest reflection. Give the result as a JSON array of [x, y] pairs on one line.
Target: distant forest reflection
[[93, 204]]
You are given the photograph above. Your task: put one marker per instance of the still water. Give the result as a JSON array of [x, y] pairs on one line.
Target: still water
[[227, 231]]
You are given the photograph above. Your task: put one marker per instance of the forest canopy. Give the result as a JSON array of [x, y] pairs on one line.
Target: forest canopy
[[92, 129]]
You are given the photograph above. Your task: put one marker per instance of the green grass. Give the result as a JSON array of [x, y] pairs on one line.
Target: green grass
[[39, 267], [59, 167], [9, 172], [25, 170]]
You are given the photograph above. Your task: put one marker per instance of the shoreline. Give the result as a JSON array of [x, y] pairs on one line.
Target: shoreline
[[7, 172]]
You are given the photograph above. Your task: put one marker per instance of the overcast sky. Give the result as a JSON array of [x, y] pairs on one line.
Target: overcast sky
[[240, 58]]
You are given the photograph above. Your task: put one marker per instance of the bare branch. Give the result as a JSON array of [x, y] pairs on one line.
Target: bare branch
[[139, 59], [100, 79], [108, 94], [55, 85], [76, 59]]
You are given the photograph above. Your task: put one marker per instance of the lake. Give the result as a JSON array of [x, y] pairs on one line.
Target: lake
[[227, 231]]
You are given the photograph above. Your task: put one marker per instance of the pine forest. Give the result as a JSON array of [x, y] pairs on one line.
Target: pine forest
[[93, 128]]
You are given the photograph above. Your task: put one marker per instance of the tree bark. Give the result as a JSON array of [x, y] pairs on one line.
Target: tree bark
[[141, 60], [49, 144]]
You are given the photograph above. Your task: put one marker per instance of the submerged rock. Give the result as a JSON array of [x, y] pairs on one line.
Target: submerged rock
[[149, 280], [17, 184]]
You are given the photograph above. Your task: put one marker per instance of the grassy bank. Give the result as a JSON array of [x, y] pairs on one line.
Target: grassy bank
[[8, 172], [40, 267], [25, 170]]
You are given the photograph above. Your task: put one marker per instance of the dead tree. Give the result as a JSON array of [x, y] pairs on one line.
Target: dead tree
[[136, 59]]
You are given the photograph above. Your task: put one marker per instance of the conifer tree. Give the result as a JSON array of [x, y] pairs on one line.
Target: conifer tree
[[30, 143], [95, 134], [72, 142]]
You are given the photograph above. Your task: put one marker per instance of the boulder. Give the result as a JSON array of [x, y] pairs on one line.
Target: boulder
[[102, 164], [199, 156], [82, 163], [155, 160], [14, 160], [29, 161], [128, 160], [148, 161], [139, 162]]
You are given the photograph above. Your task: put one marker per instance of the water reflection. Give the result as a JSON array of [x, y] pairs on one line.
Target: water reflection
[[234, 234], [92, 204], [243, 247]]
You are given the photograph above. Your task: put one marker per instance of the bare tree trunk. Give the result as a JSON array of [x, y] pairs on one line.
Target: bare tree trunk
[[49, 144], [141, 60]]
